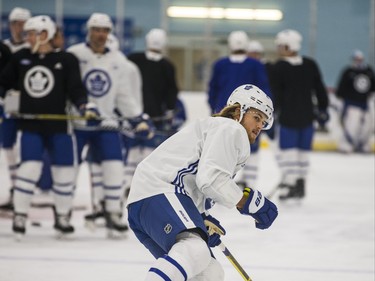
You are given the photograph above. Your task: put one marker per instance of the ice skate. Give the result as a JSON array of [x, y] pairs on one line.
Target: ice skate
[[62, 226], [93, 220], [115, 227], [296, 191], [19, 226], [8, 206]]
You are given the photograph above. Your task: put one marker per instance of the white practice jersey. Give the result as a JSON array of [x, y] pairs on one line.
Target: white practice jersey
[[200, 161], [108, 81]]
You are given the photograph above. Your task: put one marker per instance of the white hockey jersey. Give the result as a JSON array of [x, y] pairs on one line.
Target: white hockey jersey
[[109, 83], [200, 161]]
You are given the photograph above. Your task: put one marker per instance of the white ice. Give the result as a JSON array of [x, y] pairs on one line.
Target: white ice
[[329, 236]]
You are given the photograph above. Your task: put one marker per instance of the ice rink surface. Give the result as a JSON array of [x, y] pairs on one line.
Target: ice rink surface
[[329, 236]]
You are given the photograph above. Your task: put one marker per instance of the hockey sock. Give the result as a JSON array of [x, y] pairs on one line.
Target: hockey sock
[[97, 184], [27, 176], [112, 183], [187, 258], [63, 186]]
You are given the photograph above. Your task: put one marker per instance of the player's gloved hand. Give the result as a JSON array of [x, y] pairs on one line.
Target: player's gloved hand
[[90, 112], [214, 229], [167, 121], [259, 207], [142, 126], [322, 117]]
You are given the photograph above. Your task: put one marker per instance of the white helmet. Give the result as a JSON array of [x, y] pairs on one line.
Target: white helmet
[[19, 14], [40, 23], [290, 38], [250, 96], [156, 39], [255, 46], [357, 54], [112, 42], [99, 20], [238, 40]]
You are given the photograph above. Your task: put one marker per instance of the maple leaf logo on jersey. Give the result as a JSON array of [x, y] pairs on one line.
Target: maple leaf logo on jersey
[[38, 81], [97, 82]]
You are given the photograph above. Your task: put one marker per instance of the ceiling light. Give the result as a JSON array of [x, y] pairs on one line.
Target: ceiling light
[[222, 13]]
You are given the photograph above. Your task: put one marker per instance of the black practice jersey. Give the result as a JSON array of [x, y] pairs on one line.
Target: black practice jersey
[[293, 87], [356, 84], [158, 84], [46, 83], [5, 55]]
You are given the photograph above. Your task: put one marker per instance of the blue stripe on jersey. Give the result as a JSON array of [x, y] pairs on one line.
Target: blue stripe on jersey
[[191, 169], [160, 273], [176, 264]]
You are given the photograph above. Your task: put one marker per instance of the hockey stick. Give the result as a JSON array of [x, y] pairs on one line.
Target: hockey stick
[[234, 262], [63, 117], [57, 117]]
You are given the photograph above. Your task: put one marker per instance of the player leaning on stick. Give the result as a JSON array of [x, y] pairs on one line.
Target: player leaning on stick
[[167, 197], [47, 80]]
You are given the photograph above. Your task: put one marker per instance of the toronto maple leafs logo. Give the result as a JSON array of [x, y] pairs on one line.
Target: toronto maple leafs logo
[[362, 83], [97, 82], [39, 81]]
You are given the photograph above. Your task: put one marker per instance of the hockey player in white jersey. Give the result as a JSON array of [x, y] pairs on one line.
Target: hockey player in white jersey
[[170, 188], [96, 174], [105, 75]]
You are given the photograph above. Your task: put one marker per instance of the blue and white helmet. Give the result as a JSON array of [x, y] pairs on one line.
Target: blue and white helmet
[[250, 96]]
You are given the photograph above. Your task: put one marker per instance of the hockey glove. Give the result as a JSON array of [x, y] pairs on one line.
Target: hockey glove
[[90, 112], [259, 207], [321, 117], [214, 229], [142, 126]]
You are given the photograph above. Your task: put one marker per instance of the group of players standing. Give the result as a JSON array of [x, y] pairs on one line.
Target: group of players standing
[[104, 93]]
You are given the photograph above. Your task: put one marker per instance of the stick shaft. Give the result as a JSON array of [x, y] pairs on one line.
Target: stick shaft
[[234, 262]]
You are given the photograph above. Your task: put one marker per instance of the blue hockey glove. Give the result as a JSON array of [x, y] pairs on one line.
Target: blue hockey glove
[[259, 207], [142, 126], [90, 112], [214, 229]]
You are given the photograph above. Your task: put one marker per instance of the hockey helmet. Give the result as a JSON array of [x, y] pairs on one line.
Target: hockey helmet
[[156, 39], [255, 46], [40, 23], [19, 14], [290, 38], [238, 40], [99, 20], [250, 96], [357, 54]]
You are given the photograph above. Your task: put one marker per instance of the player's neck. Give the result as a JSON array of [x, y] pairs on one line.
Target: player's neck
[[44, 49]]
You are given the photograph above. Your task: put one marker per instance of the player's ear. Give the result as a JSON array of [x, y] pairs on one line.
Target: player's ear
[[237, 113]]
